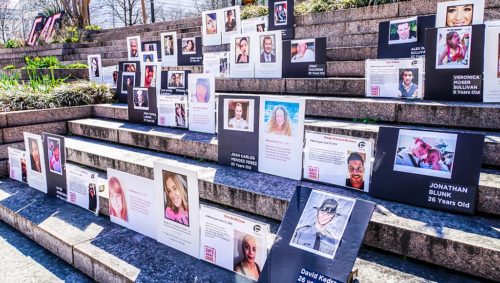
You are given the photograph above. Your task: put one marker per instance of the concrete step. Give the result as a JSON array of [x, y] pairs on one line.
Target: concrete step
[[359, 53], [107, 252], [153, 33], [200, 145], [445, 239]]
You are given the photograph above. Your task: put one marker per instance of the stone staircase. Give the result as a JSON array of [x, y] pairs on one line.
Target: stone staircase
[[402, 243]]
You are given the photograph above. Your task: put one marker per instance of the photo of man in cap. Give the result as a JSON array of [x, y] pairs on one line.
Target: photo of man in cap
[[320, 228], [230, 21]]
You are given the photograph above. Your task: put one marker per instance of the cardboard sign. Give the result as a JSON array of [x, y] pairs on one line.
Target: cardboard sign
[[433, 169], [83, 187], [230, 23], [492, 63], [95, 68], [190, 51], [174, 82], [460, 13], [211, 27], [134, 48], [304, 58], [281, 17], [142, 105], [125, 81], [216, 63], [201, 93], [152, 46], [172, 111], [319, 238], [17, 165], [169, 50], [55, 165], [268, 64], [35, 162]]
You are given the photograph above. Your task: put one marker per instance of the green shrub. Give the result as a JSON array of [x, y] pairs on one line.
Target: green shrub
[[9, 67], [48, 62], [252, 11], [13, 43], [318, 6], [93, 27], [76, 66]]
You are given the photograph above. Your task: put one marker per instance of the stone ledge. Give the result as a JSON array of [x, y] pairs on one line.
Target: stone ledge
[[445, 239], [204, 146], [250, 85], [15, 134], [346, 69], [30, 117], [359, 53]]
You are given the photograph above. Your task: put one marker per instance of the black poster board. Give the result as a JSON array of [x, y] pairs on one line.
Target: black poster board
[[146, 44], [122, 89], [239, 136], [142, 105], [297, 256], [281, 17], [55, 165], [446, 82], [303, 67], [189, 58], [404, 50], [403, 170], [129, 66], [174, 82]]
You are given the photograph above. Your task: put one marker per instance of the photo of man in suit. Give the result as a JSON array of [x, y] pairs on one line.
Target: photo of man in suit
[[267, 49]]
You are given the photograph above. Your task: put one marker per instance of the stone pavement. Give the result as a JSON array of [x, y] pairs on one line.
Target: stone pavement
[[22, 260]]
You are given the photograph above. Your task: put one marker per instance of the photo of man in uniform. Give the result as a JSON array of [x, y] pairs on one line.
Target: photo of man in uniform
[[356, 170], [322, 223], [266, 55], [230, 21], [408, 88]]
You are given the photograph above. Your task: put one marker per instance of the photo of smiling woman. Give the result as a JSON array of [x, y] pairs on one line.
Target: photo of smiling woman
[[117, 202], [242, 50], [36, 164], [175, 197], [247, 266], [280, 123], [459, 15]]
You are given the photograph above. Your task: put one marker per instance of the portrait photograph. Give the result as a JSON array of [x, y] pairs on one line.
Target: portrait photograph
[[188, 46], [95, 66], [460, 13], [133, 47], [230, 20], [325, 214], [260, 27], [242, 54], [453, 48], [150, 75], [128, 79], [180, 115], [168, 44], [211, 23], [175, 197], [267, 48], [35, 158], [130, 67], [223, 67], [403, 31], [150, 47], [238, 115], [408, 83], [425, 153], [148, 56], [303, 51], [355, 165], [281, 118], [247, 254], [141, 98], [54, 154], [117, 199], [202, 91], [280, 13], [175, 79]]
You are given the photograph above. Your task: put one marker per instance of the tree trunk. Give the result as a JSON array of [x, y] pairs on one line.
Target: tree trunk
[[144, 14]]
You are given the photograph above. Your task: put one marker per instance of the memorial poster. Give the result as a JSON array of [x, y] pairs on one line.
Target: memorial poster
[[95, 68], [201, 93], [281, 17], [35, 162], [168, 49], [401, 78], [177, 211], [153, 46], [232, 241], [453, 47], [319, 238], [190, 51], [216, 63], [211, 29], [492, 63], [238, 131], [149, 57], [258, 24], [269, 64], [174, 82], [281, 136], [172, 111], [126, 80], [403, 30], [142, 106], [110, 75], [304, 58], [460, 13], [129, 66], [82, 187], [17, 164], [151, 75], [132, 202], [428, 168], [134, 48], [243, 55], [338, 160], [55, 165], [230, 23]]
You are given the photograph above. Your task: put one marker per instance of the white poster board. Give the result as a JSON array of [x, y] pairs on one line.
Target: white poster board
[[243, 55], [402, 78], [211, 28], [232, 241], [492, 62], [460, 13], [35, 162], [172, 111], [177, 206], [168, 49], [110, 75], [230, 23], [95, 68], [131, 202], [82, 186], [17, 164], [281, 136], [151, 75], [216, 63], [268, 64], [134, 48], [258, 24], [338, 160], [201, 93]]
